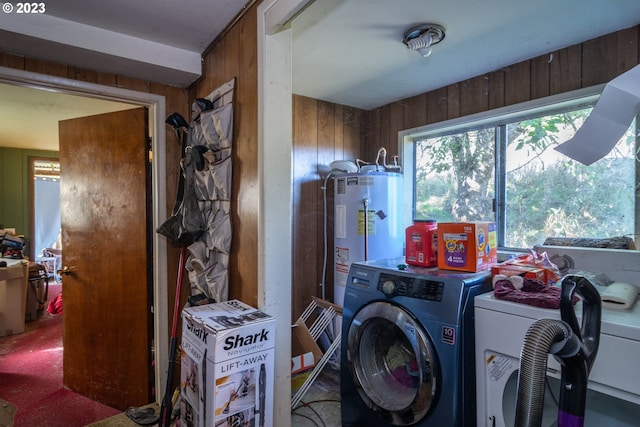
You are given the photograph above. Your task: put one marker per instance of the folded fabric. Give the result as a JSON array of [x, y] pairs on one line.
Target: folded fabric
[[619, 296], [516, 281], [533, 292]]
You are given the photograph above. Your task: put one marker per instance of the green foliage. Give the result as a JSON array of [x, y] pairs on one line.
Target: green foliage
[[458, 168], [570, 200], [548, 195]]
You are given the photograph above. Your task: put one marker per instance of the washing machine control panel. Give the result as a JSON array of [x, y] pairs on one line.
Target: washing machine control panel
[[413, 287]]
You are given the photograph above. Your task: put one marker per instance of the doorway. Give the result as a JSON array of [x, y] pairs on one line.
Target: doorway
[[157, 113]]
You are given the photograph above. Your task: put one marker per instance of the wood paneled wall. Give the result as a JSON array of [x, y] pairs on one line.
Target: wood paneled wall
[[236, 56], [322, 132], [586, 64], [233, 56], [583, 65]]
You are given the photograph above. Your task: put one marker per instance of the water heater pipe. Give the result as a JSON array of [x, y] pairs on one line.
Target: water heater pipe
[[381, 152], [323, 285]]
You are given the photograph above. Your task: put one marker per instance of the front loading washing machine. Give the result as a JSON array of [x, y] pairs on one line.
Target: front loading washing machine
[[407, 350]]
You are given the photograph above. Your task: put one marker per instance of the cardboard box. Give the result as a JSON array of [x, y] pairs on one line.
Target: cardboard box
[[467, 246], [305, 354], [14, 281], [305, 351], [507, 269], [227, 367], [302, 362]]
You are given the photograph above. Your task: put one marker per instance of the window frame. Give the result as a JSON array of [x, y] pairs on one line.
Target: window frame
[[498, 117]]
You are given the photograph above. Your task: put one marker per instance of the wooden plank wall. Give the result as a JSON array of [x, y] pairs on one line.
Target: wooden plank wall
[[586, 64], [322, 132], [236, 56], [583, 65]]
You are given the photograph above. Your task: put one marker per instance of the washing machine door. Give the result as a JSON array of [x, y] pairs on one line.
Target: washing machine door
[[393, 363]]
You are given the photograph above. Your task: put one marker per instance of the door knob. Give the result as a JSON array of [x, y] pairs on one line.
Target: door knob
[[65, 270]]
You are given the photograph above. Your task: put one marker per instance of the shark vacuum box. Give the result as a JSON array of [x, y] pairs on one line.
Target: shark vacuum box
[[226, 375]]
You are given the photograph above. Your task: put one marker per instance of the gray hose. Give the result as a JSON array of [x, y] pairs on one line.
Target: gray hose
[[538, 343]]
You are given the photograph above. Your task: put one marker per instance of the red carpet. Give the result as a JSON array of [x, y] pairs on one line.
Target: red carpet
[[31, 378]]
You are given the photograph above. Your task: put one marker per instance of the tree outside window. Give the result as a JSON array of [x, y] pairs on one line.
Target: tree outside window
[[545, 194]]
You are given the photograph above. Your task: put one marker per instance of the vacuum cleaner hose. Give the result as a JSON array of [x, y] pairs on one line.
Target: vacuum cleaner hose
[[543, 336]]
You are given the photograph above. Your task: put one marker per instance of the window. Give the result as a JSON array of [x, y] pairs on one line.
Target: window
[[501, 166]]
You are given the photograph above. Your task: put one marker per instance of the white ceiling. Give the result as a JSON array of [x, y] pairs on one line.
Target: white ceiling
[[159, 40], [351, 51], [344, 51], [29, 117]]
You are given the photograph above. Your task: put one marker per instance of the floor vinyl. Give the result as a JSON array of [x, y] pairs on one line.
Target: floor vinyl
[[320, 405]]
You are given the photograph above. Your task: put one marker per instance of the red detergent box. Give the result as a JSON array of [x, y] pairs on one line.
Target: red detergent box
[[467, 246], [421, 243]]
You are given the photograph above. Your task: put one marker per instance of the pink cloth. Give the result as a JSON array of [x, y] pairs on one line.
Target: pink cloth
[[55, 305], [533, 292], [406, 374]]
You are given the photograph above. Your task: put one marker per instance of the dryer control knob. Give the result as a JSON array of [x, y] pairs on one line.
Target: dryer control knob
[[389, 288]]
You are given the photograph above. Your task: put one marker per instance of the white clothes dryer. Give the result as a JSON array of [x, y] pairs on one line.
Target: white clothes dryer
[[613, 398]]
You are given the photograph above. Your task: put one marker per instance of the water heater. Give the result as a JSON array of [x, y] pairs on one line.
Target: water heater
[[368, 222]]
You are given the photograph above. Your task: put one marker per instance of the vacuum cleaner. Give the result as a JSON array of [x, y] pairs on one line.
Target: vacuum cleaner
[[574, 346]]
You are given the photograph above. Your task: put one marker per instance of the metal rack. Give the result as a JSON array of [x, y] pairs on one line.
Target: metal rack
[[326, 313]]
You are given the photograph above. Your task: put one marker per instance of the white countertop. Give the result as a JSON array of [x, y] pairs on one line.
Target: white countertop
[[11, 262], [13, 270]]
